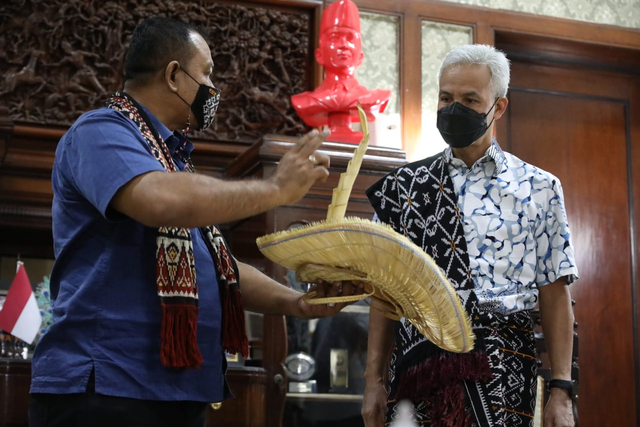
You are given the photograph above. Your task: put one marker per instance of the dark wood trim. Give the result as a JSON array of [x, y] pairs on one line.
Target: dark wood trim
[[634, 132], [411, 80], [510, 21], [273, 147], [318, 70], [39, 132], [484, 34], [634, 254], [570, 94], [620, 58], [275, 332], [538, 49], [6, 132]]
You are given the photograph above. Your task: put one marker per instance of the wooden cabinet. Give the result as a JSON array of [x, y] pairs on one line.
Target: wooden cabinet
[[247, 408], [15, 380]]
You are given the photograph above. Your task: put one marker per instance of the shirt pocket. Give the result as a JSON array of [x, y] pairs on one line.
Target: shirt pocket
[[502, 244], [497, 225]]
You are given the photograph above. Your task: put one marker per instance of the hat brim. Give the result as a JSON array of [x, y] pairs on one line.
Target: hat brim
[[397, 269]]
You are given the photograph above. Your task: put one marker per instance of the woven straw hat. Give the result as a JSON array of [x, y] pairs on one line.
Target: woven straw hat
[[394, 269]]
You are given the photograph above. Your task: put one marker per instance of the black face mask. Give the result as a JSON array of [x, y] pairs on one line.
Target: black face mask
[[460, 126], [205, 104]]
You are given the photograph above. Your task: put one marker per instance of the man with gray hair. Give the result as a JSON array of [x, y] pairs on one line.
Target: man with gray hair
[[497, 227]]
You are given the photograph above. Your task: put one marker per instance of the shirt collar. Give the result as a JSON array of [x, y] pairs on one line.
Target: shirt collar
[[183, 144], [494, 152], [350, 83], [345, 83]]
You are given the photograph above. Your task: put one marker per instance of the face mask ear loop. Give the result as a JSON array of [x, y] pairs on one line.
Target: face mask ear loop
[[494, 116], [187, 128], [185, 71]]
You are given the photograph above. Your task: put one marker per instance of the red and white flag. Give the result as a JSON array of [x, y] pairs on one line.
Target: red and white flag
[[20, 315]]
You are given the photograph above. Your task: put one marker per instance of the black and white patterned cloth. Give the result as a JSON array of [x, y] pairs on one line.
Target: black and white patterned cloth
[[419, 201]]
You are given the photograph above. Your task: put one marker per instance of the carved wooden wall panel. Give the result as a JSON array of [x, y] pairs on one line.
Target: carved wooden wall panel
[[60, 58]]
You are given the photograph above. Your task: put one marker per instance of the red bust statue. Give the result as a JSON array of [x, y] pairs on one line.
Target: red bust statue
[[334, 102]]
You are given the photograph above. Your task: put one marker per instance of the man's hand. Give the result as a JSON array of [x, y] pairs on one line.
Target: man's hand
[[323, 290], [383, 306], [301, 167], [374, 404], [559, 410]]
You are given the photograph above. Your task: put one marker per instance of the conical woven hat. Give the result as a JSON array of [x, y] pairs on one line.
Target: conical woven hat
[[394, 268]]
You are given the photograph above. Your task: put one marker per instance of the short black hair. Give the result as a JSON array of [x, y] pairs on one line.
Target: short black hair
[[156, 42]]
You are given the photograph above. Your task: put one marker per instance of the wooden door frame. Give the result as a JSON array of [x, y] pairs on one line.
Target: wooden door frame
[[596, 58]]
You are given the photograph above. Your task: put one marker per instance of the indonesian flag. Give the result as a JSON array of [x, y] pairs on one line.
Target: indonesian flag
[[20, 315]]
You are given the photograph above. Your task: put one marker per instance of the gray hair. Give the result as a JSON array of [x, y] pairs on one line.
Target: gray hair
[[482, 54]]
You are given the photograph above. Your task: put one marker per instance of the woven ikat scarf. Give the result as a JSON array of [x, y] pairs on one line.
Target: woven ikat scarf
[[418, 201], [494, 384]]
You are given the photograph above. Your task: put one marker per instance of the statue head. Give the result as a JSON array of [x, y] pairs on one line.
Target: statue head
[[340, 52], [340, 49]]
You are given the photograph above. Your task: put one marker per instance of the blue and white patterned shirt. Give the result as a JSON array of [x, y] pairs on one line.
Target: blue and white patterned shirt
[[516, 228]]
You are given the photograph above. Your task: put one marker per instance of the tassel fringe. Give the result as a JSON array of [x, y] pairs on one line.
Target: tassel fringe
[[440, 379], [234, 336], [179, 347]]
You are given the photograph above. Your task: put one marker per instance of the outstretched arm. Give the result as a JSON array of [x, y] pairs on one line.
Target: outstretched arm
[[262, 294], [192, 200]]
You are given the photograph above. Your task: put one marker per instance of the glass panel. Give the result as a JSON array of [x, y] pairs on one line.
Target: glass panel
[[623, 13], [381, 70], [437, 40]]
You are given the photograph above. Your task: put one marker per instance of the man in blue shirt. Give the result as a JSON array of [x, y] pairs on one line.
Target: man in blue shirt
[[144, 289]]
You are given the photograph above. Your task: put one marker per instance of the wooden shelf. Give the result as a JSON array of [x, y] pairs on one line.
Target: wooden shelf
[[326, 397]]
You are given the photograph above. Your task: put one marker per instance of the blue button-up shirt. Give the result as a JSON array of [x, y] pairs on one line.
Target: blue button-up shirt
[[515, 226], [107, 313]]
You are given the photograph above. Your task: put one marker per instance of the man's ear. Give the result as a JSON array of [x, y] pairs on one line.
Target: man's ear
[[319, 57], [360, 59], [170, 75], [501, 107]]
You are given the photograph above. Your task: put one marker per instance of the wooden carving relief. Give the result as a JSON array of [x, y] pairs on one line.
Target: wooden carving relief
[[60, 58]]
